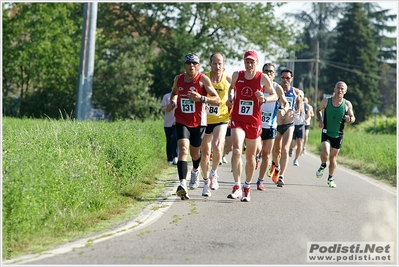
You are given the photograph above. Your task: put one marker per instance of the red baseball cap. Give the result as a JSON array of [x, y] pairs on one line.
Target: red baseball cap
[[251, 54]]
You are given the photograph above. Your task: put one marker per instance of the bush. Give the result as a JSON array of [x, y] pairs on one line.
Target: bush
[[384, 125]]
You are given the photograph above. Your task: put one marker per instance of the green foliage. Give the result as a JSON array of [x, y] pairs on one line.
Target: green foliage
[[378, 19], [317, 27], [387, 90], [204, 28], [42, 44], [63, 177], [383, 125], [358, 56], [316, 21], [140, 47], [122, 80]]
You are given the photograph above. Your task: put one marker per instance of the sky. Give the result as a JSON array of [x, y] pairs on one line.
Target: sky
[[292, 7]]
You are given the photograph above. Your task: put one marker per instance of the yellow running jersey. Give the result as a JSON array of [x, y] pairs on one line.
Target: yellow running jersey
[[219, 113]]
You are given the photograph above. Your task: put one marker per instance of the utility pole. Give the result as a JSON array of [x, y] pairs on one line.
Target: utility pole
[[292, 56], [317, 60], [86, 66], [316, 87]]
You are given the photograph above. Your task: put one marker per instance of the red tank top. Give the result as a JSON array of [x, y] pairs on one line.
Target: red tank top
[[247, 108], [189, 113]]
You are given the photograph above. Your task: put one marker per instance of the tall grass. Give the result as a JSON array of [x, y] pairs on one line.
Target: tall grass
[[62, 178]]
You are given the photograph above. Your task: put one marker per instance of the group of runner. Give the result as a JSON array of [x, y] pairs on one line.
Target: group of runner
[[261, 116]]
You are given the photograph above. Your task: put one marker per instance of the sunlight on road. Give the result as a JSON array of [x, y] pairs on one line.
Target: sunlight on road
[[381, 225]]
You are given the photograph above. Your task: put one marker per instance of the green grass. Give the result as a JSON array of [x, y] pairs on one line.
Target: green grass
[[65, 179]]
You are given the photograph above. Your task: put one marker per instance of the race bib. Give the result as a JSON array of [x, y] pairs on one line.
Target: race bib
[[266, 116], [187, 105], [290, 99], [213, 110], [246, 107]]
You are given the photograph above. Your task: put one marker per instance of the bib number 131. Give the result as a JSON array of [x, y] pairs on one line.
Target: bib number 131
[[187, 105], [246, 107]]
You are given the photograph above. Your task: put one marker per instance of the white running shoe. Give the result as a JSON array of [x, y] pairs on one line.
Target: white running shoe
[[296, 163], [194, 182], [175, 160], [206, 192], [236, 193], [247, 195], [214, 181]]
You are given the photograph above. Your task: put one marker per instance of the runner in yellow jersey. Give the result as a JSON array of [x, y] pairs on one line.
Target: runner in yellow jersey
[[218, 118]]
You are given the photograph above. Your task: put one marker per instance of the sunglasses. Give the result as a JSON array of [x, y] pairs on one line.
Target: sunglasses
[[285, 78], [191, 62]]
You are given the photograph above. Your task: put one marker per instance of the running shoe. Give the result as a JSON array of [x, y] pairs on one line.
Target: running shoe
[[280, 181], [236, 193], [331, 183], [206, 192], [211, 156], [244, 149], [320, 172], [194, 182], [290, 152], [224, 160], [296, 163], [303, 151], [260, 186], [275, 175], [182, 192], [175, 160], [247, 195], [214, 181], [257, 159], [170, 162], [271, 169]]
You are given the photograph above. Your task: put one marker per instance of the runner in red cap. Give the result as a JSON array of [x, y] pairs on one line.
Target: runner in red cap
[[245, 98]]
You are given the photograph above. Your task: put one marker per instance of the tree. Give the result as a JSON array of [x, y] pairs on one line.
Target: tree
[[317, 28], [176, 29], [122, 79], [378, 18], [41, 41], [317, 23], [141, 50], [357, 59], [386, 55], [387, 90]]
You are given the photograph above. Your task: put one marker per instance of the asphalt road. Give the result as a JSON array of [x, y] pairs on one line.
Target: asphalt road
[[273, 228]]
